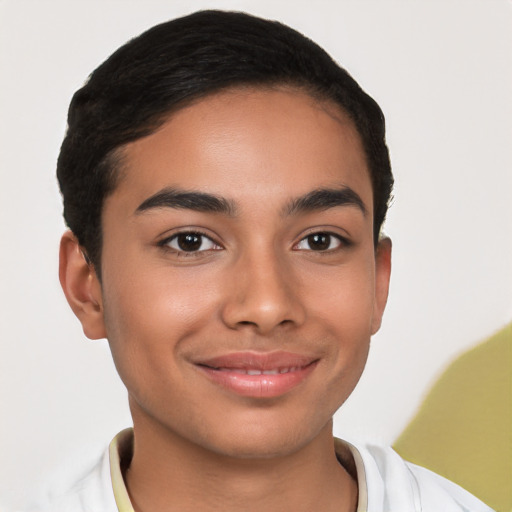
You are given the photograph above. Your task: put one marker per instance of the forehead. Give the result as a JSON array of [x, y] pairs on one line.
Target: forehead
[[251, 143]]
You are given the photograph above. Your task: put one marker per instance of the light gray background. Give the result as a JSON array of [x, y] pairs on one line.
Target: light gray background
[[442, 72]]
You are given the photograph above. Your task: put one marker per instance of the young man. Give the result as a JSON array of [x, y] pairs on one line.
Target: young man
[[225, 184]]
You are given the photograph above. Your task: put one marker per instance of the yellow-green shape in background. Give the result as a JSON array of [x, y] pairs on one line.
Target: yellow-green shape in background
[[463, 429]]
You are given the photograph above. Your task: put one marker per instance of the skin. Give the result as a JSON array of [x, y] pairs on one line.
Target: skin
[[259, 285]]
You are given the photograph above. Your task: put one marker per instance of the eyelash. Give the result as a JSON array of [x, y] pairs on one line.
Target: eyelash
[[166, 243]]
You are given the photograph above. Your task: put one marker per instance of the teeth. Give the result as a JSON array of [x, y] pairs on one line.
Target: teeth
[[275, 371]]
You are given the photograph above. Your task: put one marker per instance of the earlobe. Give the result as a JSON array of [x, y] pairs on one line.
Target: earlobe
[[81, 287], [382, 275]]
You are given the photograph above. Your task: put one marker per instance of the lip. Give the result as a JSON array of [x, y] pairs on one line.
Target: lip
[[258, 375]]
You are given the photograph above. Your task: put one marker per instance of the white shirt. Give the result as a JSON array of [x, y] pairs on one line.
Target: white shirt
[[386, 483]]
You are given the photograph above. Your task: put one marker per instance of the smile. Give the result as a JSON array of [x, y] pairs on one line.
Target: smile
[[275, 371], [258, 375]]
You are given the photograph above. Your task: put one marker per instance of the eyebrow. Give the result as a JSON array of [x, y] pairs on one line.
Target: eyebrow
[[320, 199], [187, 200], [325, 198]]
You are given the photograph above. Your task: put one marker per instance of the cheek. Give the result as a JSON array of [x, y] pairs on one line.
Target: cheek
[[344, 298], [153, 299], [342, 304], [148, 316]]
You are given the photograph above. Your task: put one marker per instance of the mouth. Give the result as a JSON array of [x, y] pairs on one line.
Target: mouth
[[275, 371], [258, 375]]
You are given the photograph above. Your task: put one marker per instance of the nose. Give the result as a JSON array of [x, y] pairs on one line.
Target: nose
[[263, 295]]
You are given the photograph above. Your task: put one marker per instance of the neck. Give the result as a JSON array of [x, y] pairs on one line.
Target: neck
[[169, 473]]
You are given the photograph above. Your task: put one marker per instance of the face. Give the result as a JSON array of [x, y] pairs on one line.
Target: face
[[240, 283]]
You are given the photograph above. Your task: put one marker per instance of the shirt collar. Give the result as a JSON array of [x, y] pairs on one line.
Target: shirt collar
[[121, 451]]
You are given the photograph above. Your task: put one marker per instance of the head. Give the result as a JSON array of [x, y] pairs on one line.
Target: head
[[173, 64], [229, 181]]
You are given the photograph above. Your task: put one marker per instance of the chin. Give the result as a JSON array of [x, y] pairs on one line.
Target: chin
[[262, 449], [265, 439]]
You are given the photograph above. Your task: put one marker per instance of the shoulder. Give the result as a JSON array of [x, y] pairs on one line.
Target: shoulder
[[81, 489], [393, 484]]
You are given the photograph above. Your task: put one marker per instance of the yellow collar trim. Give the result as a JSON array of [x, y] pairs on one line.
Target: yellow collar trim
[[122, 443]]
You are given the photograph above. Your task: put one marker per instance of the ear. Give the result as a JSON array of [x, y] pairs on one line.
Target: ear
[[81, 287], [382, 275]]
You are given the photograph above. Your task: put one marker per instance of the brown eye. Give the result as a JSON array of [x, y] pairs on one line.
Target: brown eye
[[191, 242], [319, 242]]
